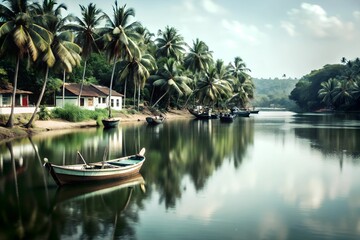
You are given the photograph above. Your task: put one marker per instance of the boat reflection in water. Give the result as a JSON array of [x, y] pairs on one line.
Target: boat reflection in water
[[95, 210]]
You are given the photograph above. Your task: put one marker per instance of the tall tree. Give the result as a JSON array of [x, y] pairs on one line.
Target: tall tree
[[327, 91], [169, 79], [199, 58], [87, 32], [20, 36], [138, 70], [62, 48], [170, 44], [120, 40], [211, 89], [243, 85]]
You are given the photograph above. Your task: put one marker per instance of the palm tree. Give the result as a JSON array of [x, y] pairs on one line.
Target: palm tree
[[170, 79], [120, 40], [62, 49], [138, 70], [20, 36], [326, 92], [342, 93], [243, 85], [87, 33], [211, 89], [199, 58], [170, 44]]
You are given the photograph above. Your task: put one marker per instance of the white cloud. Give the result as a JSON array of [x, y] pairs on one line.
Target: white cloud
[[247, 33], [289, 28], [314, 20], [356, 15], [211, 7]]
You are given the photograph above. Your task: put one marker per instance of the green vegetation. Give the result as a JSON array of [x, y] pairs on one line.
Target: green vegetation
[[39, 45], [273, 93], [334, 87], [74, 113]]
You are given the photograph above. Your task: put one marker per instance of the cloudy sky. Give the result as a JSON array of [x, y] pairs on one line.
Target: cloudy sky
[[276, 37]]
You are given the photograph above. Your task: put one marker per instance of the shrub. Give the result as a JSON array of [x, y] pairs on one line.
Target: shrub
[[74, 113], [44, 113]]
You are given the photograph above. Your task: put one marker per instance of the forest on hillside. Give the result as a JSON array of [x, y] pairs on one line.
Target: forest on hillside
[[273, 93]]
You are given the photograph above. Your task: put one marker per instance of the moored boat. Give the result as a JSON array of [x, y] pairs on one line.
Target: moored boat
[[240, 113], [207, 114], [227, 117], [110, 122], [105, 170], [154, 120]]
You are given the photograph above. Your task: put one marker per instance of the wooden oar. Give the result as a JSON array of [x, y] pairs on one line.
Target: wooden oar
[[82, 158]]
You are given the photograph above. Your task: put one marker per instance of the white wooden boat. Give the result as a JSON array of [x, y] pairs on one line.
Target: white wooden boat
[[105, 170]]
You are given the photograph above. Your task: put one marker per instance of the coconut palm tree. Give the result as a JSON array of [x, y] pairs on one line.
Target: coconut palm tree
[[170, 44], [137, 70], [20, 37], [211, 89], [170, 79], [342, 93], [199, 57], [120, 40], [62, 49], [87, 32], [243, 85], [327, 90]]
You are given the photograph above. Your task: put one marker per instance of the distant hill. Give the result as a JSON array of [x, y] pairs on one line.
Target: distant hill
[[273, 92]]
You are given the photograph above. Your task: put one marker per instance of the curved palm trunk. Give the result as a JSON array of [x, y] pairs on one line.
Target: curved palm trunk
[[125, 92], [152, 95], [161, 97], [110, 89], [63, 89], [138, 103], [39, 99], [134, 96], [10, 122], [82, 83]]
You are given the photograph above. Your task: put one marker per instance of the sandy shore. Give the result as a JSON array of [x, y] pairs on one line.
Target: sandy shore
[[58, 124]]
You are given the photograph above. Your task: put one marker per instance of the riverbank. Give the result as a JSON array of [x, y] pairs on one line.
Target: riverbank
[[59, 124]]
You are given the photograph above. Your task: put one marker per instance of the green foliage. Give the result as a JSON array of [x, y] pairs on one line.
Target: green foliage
[[273, 92], [333, 86], [74, 113], [44, 113]]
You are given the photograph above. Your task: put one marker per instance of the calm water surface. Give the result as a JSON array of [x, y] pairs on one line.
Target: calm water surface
[[274, 175]]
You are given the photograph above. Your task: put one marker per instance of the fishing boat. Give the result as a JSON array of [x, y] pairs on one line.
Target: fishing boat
[[207, 114], [110, 122], [154, 120], [227, 117], [240, 113], [105, 170]]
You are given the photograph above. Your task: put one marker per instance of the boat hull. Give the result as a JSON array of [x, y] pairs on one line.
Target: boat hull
[[81, 173], [110, 123], [227, 118], [154, 121]]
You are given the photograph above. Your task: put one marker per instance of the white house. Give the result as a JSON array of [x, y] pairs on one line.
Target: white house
[[21, 100], [92, 96]]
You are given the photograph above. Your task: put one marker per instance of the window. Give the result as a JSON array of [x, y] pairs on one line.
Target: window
[[90, 102], [82, 102], [6, 100], [117, 102], [103, 100], [112, 102]]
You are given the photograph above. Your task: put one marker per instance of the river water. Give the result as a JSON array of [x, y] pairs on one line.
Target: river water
[[274, 175]]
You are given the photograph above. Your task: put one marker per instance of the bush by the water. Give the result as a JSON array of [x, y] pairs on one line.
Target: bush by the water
[[74, 113]]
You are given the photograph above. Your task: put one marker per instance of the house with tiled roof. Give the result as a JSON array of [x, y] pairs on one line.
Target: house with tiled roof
[[22, 104], [92, 96]]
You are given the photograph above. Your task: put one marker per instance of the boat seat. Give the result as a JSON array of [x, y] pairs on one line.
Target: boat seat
[[126, 162]]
